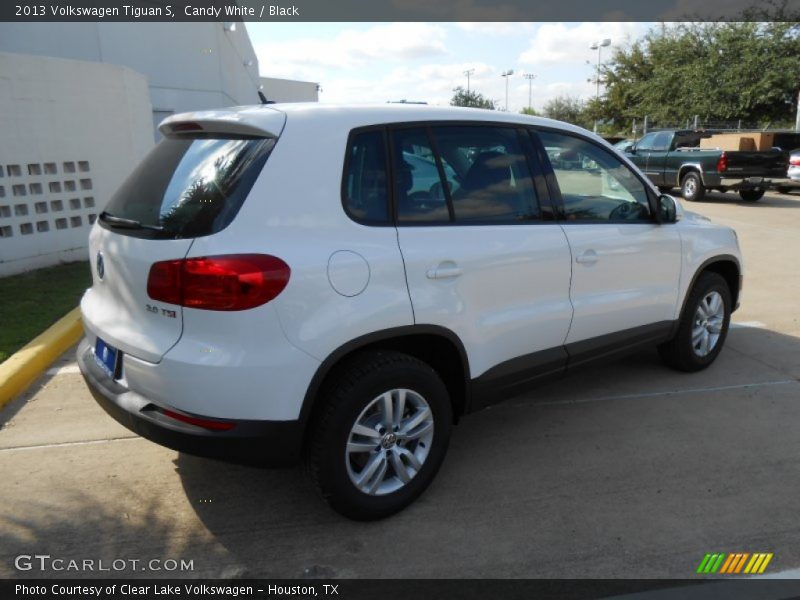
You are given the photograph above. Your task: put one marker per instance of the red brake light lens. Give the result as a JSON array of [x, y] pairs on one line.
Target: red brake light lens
[[228, 282], [204, 423], [794, 160], [722, 163]]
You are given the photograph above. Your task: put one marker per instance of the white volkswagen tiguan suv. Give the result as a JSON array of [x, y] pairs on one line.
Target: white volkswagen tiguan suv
[[343, 283]]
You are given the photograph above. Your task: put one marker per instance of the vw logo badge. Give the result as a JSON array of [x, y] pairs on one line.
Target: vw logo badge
[[101, 266]]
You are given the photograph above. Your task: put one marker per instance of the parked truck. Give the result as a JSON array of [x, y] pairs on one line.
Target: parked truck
[[673, 158]]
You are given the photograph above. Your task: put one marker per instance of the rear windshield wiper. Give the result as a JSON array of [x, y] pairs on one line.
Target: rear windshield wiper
[[122, 222]]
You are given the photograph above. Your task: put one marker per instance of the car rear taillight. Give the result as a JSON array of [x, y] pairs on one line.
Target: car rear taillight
[[722, 163], [794, 161], [226, 282]]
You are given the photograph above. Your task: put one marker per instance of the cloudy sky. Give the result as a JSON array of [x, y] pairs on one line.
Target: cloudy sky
[[376, 62]]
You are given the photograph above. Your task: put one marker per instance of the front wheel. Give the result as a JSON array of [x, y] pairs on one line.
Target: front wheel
[[703, 325], [692, 187], [751, 195], [381, 435]]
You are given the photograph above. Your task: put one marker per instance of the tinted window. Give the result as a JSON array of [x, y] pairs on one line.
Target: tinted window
[[661, 141], [646, 143], [418, 186], [189, 186], [365, 179], [594, 184], [487, 174]]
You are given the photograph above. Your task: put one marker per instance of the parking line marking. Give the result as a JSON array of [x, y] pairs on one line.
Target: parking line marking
[[64, 444], [656, 394], [743, 324], [65, 370]]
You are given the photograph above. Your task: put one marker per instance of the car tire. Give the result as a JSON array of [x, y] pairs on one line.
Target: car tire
[[751, 195], [665, 189], [362, 468], [703, 326], [692, 187]]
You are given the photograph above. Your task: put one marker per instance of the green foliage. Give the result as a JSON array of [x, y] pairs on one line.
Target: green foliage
[[529, 111], [719, 71], [31, 302], [471, 98], [566, 108]]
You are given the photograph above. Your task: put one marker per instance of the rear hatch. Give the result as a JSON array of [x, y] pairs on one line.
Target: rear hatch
[[769, 163], [191, 184]]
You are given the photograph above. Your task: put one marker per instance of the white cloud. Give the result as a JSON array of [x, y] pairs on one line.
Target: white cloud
[[568, 43], [351, 49]]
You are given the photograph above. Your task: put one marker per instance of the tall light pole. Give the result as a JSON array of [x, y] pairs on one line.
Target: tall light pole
[[507, 74], [468, 72], [530, 77], [599, 45]]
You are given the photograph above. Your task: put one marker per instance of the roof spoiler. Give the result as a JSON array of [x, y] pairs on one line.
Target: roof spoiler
[[260, 121]]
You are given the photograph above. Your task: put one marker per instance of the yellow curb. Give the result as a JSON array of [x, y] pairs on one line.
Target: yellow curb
[[23, 367]]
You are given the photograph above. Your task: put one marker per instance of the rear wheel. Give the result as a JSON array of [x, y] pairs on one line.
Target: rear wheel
[[381, 435], [703, 326], [751, 195], [692, 187]]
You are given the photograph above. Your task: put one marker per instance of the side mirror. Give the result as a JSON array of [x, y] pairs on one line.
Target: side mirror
[[667, 209], [631, 149]]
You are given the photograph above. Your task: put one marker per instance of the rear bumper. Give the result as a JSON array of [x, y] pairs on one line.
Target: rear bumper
[[247, 441], [747, 183]]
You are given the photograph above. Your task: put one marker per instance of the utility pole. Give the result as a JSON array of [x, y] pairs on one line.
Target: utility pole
[[507, 74], [530, 77], [599, 47], [468, 72], [797, 119]]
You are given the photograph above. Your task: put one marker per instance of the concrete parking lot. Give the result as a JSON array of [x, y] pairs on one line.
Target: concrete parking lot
[[624, 470]]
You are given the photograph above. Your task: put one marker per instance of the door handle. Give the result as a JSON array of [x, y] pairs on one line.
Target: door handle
[[587, 258], [445, 270]]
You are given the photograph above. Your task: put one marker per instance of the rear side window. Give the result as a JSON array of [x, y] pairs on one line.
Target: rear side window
[[365, 183], [418, 187], [188, 187], [487, 174]]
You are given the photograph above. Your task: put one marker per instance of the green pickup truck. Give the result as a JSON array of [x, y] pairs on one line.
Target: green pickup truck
[[673, 159]]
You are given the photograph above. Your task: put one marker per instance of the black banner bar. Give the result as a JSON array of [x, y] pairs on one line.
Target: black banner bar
[[392, 589], [398, 10]]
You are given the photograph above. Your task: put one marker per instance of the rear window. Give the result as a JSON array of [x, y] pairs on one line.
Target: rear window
[[187, 187]]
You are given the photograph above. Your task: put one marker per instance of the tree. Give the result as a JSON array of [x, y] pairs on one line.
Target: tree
[[717, 70], [529, 111], [565, 108], [462, 97]]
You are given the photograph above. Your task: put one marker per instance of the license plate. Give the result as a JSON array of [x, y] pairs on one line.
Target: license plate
[[106, 356]]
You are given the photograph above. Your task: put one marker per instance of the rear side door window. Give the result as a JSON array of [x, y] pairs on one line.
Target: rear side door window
[[462, 174], [595, 185]]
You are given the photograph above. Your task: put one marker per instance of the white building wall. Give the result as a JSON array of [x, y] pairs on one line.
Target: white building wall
[[70, 132], [290, 90], [188, 66]]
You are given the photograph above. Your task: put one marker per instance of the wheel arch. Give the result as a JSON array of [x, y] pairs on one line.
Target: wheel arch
[[727, 266], [686, 167], [437, 346]]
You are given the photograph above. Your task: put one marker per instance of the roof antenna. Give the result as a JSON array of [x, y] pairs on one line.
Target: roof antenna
[[264, 98]]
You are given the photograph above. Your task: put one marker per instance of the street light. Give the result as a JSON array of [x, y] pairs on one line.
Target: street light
[[468, 72], [530, 77], [507, 74], [599, 47]]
